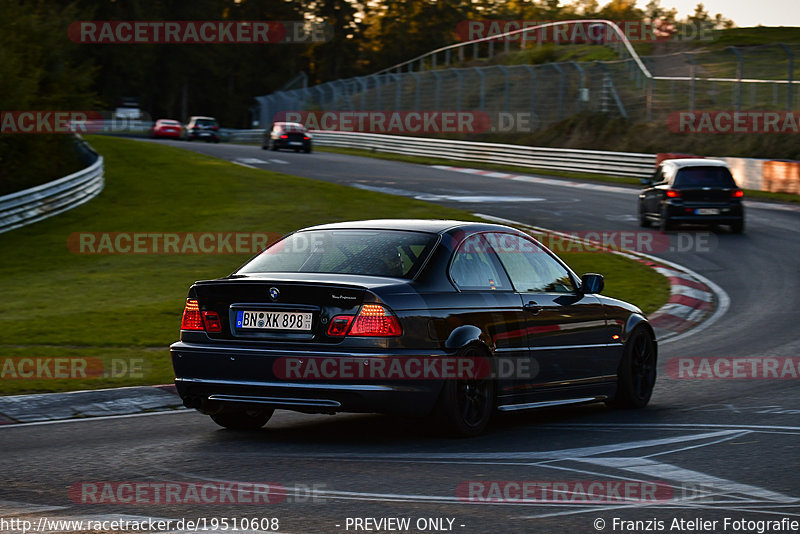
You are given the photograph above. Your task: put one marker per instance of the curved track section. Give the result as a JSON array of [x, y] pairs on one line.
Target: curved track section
[[713, 448]]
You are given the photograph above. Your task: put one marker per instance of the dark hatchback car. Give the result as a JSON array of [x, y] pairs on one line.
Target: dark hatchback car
[[203, 129], [288, 135], [692, 191], [369, 316]]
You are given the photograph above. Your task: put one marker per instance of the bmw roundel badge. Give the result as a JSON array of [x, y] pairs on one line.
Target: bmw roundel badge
[[274, 293]]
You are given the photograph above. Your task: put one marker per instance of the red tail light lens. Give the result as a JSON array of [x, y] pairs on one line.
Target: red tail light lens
[[671, 193], [212, 322], [306, 137], [339, 325], [737, 193], [284, 136], [375, 320], [192, 319]]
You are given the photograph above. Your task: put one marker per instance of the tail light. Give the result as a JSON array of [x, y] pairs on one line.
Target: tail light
[[284, 136], [215, 127], [672, 193], [373, 320], [212, 322], [194, 319], [737, 193], [306, 137]]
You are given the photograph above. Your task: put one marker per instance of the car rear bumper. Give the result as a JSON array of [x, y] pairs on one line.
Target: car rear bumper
[[208, 377], [684, 212]]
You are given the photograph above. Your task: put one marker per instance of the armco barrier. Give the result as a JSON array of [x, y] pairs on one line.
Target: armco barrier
[[560, 159], [43, 201]]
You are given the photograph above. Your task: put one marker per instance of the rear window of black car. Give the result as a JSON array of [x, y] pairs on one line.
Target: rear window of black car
[[394, 253], [704, 177], [205, 122]]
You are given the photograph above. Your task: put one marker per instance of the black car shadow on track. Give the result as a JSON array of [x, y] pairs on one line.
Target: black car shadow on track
[[365, 430]]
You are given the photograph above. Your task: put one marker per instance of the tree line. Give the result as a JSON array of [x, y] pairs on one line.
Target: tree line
[[41, 68]]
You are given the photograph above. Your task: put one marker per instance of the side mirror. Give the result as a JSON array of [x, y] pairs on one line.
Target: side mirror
[[592, 283]]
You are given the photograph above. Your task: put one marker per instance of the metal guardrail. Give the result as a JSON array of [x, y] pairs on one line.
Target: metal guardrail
[[43, 201], [561, 159]]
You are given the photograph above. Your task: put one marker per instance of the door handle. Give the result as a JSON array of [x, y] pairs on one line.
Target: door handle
[[532, 307]]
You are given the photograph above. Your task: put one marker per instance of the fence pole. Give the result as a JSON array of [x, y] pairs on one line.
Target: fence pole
[[532, 72], [790, 79], [438, 92], [460, 78], [739, 72], [560, 72], [693, 84], [581, 83], [483, 88], [506, 87]]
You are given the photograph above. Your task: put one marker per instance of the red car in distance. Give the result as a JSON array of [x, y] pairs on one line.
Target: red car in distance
[[166, 128]]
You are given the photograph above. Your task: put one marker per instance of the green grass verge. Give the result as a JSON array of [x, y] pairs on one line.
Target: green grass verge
[[422, 160], [120, 308]]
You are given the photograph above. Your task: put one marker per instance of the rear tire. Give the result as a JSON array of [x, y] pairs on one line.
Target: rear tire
[[664, 223], [636, 375], [644, 222], [248, 419], [465, 405], [737, 227]]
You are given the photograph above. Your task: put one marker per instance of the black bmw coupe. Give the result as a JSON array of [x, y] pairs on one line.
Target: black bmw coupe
[[447, 319]]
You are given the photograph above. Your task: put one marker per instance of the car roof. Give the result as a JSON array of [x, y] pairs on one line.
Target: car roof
[[694, 162], [418, 225]]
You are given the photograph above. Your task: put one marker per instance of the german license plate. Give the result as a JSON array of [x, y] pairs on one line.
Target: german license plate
[[706, 211], [269, 320], [295, 143]]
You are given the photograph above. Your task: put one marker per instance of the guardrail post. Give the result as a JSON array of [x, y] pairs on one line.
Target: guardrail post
[[739, 72], [790, 79], [447, 57], [482, 103]]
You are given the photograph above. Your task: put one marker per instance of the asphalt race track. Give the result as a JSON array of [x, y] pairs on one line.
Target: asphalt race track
[[716, 448]]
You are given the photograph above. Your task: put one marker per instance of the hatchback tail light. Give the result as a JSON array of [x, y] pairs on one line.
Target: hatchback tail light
[[306, 137], [737, 193], [672, 193], [373, 320], [284, 136]]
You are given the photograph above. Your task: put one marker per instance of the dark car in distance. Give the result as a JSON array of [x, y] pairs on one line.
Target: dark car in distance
[[379, 316], [203, 129], [289, 135], [691, 191]]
